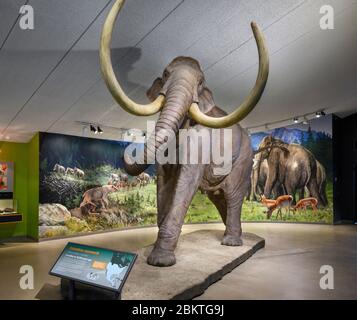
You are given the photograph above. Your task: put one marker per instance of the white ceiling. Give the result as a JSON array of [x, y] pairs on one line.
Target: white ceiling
[[50, 76]]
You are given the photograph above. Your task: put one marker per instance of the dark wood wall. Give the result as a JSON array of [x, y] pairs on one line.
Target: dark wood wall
[[345, 168]]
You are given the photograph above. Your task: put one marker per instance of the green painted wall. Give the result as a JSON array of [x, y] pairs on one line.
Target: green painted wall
[[26, 186]]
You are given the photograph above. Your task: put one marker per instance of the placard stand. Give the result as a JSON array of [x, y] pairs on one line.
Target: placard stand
[[74, 290], [71, 290]]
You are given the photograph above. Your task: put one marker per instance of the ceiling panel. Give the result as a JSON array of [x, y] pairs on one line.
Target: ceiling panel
[[79, 73], [56, 24], [46, 87], [28, 56], [9, 11], [96, 104], [289, 28], [314, 72]]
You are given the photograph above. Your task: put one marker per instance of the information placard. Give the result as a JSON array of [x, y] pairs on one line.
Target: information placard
[[103, 268]]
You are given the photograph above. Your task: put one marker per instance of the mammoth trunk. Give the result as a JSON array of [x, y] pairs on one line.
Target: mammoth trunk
[[178, 99]]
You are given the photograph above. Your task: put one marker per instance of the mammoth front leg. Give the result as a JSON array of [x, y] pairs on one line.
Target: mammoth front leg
[[167, 176], [188, 180]]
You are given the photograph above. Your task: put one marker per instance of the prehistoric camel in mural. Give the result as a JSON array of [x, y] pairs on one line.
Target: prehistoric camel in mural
[[184, 101]]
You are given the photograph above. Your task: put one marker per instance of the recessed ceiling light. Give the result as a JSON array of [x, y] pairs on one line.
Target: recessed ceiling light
[[296, 120]]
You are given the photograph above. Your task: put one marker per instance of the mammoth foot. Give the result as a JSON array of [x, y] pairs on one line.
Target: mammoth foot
[[229, 240], [161, 258]]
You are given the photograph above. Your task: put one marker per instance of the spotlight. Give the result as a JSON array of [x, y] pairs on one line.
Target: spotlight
[[319, 114], [99, 130], [93, 129], [296, 120]]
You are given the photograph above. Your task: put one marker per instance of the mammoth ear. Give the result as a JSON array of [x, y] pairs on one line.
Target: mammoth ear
[[206, 102], [155, 89]]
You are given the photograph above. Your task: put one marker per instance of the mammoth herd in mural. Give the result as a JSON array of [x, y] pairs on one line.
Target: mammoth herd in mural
[[280, 168], [287, 169]]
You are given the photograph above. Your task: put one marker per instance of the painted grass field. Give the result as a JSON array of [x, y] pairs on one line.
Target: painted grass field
[[141, 203], [137, 207]]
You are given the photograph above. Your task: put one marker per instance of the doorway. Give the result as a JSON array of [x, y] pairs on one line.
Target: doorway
[[355, 193]]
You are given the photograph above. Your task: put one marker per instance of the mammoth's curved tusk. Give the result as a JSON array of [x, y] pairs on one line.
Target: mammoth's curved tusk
[[108, 73], [250, 102]]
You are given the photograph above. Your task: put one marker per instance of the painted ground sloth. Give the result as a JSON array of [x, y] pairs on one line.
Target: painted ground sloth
[[290, 165], [97, 197], [184, 101]]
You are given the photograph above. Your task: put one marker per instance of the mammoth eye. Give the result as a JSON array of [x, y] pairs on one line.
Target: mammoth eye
[[165, 75]]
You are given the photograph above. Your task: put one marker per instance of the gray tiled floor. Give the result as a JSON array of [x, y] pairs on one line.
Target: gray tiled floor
[[288, 268]]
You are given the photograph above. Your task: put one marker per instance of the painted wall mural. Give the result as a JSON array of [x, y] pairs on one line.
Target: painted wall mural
[[299, 167], [83, 187]]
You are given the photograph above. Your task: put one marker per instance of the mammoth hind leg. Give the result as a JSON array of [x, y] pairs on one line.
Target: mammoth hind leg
[[220, 203], [314, 192]]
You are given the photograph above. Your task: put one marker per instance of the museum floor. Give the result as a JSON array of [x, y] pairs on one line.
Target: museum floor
[[288, 267]]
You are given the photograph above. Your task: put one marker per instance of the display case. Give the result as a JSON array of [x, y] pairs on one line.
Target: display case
[[8, 206], [8, 211]]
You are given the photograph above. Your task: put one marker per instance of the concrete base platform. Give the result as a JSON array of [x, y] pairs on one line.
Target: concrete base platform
[[201, 261]]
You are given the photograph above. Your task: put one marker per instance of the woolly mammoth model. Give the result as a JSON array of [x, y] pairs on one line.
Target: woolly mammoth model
[[184, 101], [290, 165]]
